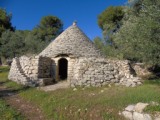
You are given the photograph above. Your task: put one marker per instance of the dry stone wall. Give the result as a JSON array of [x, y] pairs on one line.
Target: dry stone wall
[[30, 66], [30, 71], [34, 71], [98, 72], [18, 75]]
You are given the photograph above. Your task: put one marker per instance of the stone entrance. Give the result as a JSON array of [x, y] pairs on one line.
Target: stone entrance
[[63, 69]]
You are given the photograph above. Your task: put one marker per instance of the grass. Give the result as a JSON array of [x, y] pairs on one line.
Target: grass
[[153, 109], [6, 112], [3, 79], [102, 103]]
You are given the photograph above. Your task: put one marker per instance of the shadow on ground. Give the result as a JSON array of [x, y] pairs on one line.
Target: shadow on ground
[[6, 91]]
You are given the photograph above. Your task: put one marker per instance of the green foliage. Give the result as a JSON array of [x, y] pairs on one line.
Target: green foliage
[[34, 44], [106, 48], [99, 43], [12, 43], [139, 38], [48, 29], [135, 5], [5, 24], [110, 19], [110, 22], [4, 69], [5, 21]]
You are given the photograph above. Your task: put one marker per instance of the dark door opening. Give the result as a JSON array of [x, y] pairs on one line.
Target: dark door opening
[[63, 68]]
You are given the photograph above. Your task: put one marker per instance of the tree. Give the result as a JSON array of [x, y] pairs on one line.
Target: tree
[[139, 38], [110, 19], [135, 5], [5, 24], [13, 44], [5, 21], [48, 29], [34, 43]]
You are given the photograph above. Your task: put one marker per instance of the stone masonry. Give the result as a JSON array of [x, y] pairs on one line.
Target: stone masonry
[[31, 71], [85, 64], [99, 72], [71, 42]]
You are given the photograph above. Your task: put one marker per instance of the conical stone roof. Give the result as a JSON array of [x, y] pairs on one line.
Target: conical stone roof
[[71, 42]]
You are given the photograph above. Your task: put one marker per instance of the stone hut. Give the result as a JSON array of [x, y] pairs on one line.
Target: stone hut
[[71, 57]]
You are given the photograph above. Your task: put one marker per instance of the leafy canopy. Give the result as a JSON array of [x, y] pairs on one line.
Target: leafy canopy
[[5, 21], [139, 38], [110, 18], [48, 29]]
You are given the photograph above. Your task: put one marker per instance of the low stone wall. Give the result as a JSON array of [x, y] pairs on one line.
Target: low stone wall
[[17, 74], [29, 66], [98, 72], [31, 71]]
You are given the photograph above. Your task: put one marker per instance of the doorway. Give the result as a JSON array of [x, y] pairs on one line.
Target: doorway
[[63, 68]]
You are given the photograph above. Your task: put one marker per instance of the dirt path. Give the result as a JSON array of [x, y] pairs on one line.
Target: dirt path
[[27, 109]]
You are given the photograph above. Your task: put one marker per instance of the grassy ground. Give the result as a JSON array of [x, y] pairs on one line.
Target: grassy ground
[[6, 112], [90, 103]]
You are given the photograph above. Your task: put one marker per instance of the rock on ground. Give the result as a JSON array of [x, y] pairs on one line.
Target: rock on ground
[[139, 107]]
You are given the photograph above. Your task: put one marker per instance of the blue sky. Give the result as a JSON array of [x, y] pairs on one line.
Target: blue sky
[[28, 13]]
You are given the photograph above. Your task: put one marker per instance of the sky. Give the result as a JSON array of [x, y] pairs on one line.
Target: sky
[[26, 14]]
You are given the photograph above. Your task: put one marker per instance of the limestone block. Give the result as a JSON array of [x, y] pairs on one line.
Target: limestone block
[[30, 71], [111, 76], [139, 107], [107, 72], [128, 115], [130, 108], [140, 116], [34, 71]]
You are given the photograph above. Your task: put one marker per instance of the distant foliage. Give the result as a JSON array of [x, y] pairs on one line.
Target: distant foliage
[[138, 38], [12, 43], [106, 47], [48, 29], [18, 42], [110, 19], [5, 24], [5, 21]]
